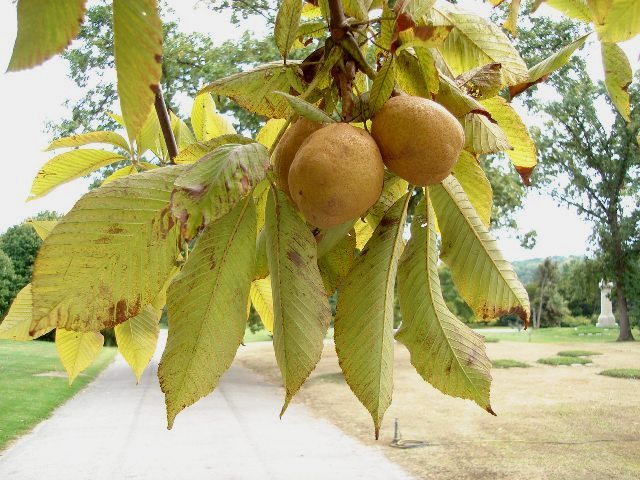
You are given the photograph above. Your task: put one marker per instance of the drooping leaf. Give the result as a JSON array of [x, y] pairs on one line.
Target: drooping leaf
[[44, 29], [410, 76], [268, 133], [69, 166], [335, 265], [43, 227], [212, 186], [254, 90], [617, 77], [207, 123], [576, 9], [111, 138], [77, 350], [475, 41], [306, 109], [541, 71], [458, 102], [15, 325], [523, 152], [485, 280], [301, 308], [382, 86], [512, 20], [137, 338], [328, 238], [109, 256], [182, 132], [476, 185], [364, 315], [444, 351], [482, 82], [621, 23], [137, 38], [481, 135], [195, 151], [206, 305], [150, 137], [262, 300], [286, 27]]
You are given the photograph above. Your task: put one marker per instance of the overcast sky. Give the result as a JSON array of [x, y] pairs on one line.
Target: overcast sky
[[32, 97]]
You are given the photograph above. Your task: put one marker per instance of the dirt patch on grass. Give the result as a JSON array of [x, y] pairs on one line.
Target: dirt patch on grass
[[553, 422]]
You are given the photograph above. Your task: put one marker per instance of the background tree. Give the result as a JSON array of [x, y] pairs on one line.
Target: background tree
[[578, 285], [594, 168], [7, 283]]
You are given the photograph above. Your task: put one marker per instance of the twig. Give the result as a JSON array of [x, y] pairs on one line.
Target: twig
[[338, 22], [165, 124]]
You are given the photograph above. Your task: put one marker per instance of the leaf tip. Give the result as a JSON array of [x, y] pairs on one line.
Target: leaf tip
[[490, 410], [287, 399]]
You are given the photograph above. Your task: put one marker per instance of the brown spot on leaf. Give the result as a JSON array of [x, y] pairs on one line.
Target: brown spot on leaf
[[295, 257], [404, 22], [158, 58], [115, 229]]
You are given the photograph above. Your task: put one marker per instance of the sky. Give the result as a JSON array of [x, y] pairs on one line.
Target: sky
[[31, 98]]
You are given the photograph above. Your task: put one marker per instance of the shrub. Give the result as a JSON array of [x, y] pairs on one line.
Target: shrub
[[564, 361], [631, 373], [570, 321]]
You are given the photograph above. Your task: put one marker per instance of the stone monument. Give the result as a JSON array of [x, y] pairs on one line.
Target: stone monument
[[606, 318]]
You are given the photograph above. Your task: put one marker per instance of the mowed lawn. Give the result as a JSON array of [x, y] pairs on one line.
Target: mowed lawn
[[553, 422], [586, 334], [27, 398]]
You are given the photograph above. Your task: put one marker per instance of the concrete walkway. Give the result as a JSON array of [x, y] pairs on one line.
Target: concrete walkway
[[116, 430]]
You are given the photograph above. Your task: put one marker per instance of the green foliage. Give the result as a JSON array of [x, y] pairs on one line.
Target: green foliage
[[555, 361], [631, 373], [577, 353], [508, 363], [7, 283]]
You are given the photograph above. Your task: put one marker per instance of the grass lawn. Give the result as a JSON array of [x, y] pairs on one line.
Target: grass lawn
[[508, 363], [578, 353], [565, 361], [25, 399], [633, 373], [586, 334]]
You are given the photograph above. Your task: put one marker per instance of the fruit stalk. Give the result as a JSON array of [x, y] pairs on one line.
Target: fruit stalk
[[165, 124]]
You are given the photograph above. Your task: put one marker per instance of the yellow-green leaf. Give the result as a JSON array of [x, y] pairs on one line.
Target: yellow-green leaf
[[128, 170], [137, 339], [523, 153], [336, 263], [476, 185], [576, 9], [617, 77], [382, 86], [195, 151], [111, 138], [306, 109], [206, 307], [482, 136], [512, 20], [254, 90], [44, 29], [16, 323], [485, 280], [475, 41], [482, 82], [621, 23], [269, 132], [364, 315], [540, 71], [69, 166], [184, 136], [409, 75], [424, 36], [212, 186], [109, 256], [77, 350], [444, 351], [137, 38], [286, 27], [43, 227], [451, 96], [262, 300], [301, 308], [207, 123]]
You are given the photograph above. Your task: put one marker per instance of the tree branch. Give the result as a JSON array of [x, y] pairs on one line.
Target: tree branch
[[337, 20], [165, 124]]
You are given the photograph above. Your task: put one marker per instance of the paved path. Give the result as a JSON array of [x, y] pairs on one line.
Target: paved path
[[116, 430]]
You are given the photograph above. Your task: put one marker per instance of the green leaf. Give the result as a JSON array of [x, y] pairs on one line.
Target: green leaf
[[617, 77], [523, 153], [128, 170], [485, 280], [410, 76], [206, 309], [44, 29], [576, 9], [364, 315], [328, 238], [476, 185], [16, 323], [306, 109], [82, 139], [43, 227], [262, 300], [212, 186], [301, 308], [382, 86], [335, 265], [286, 28], [207, 123], [137, 38], [195, 151], [541, 71], [475, 41], [254, 90], [69, 166], [77, 350], [444, 351], [481, 135], [621, 23], [109, 256]]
